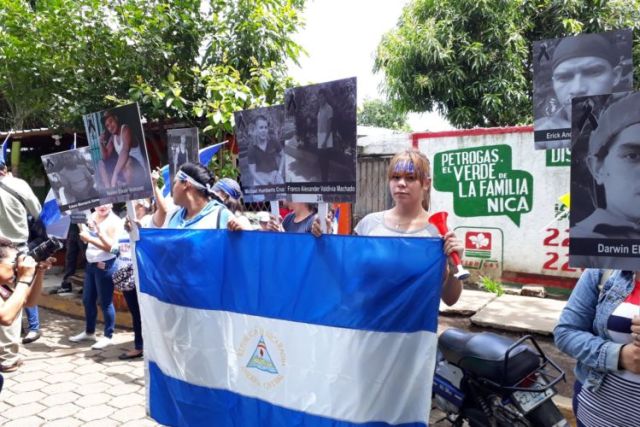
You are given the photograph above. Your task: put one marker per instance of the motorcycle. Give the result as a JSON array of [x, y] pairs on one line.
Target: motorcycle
[[489, 380]]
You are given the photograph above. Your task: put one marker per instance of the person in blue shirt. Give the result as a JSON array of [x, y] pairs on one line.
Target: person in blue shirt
[[197, 207]]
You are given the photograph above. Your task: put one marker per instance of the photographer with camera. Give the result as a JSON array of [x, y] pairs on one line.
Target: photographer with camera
[[17, 202], [20, 284]]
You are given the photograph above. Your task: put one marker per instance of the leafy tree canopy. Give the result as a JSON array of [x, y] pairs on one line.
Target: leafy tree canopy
[[197, 61], [471, 60], [376, 112]]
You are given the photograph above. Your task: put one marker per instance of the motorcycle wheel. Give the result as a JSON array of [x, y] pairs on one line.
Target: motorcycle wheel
[[547, 415]]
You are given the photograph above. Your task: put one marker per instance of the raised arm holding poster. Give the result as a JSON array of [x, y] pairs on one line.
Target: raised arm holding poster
[[605, 182], [259, 135], [118, 150], [320, 142], [583, 65]]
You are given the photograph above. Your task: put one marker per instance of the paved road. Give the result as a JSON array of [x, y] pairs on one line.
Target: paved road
[[66, 384]]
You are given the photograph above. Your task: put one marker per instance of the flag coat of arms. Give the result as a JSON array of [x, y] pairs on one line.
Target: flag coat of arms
[[276, 329]]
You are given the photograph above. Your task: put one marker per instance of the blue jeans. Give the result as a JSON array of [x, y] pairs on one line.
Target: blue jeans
[[33, 318], [98, 288], [132, 302]]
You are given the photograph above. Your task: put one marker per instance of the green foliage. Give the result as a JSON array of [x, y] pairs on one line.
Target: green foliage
[[189, 60], [472, 60], [223, 165], [376, 112], [491, 285]]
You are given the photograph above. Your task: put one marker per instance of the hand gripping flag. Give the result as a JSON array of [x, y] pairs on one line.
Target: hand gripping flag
[[276, 329]]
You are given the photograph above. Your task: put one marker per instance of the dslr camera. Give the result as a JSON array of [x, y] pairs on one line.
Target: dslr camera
[[45, 249]]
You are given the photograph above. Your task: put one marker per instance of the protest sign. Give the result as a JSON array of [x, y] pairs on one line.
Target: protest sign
[[261, 152], [605, 182], [182, 147], [320, 142], [119, 154], [587, 64], [71, 176]]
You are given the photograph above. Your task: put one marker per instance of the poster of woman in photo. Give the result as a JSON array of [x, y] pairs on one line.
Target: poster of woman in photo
[[261, 152], [118, 148], [320, 142], [571, 67], [605, 182]]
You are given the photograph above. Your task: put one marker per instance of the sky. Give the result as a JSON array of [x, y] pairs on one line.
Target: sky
[[341, 37]]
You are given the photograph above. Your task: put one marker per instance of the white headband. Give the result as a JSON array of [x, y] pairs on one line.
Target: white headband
[[184, 177]]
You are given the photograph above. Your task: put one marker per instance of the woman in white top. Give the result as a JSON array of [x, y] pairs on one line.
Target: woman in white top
[[122, 158], [103, 228], [409, 184]]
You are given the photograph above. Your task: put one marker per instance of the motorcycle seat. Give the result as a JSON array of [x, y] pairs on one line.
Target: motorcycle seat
[[483, 354]]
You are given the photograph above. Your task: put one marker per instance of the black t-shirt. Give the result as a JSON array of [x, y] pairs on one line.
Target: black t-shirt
[[304, 226]]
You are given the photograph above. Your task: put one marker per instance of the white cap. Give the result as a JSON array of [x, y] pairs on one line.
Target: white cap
[[263, 216]]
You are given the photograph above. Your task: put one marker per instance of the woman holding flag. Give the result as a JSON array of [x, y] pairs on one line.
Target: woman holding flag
[[410, 184]]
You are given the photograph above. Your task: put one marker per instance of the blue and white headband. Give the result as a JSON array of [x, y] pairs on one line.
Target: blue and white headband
[[182, 176], [226, 185]]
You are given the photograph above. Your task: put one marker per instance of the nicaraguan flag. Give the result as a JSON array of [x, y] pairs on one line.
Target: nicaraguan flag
[[279, 329]]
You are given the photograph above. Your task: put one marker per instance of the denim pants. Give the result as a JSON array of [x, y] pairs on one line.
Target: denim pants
[[33, 318], [98, 289], [132, 302]]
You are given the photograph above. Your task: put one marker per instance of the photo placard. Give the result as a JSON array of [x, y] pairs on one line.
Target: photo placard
[[119, 154], [565, 68], [605, 186], [261, 153], [320, 142], [182, 147], [71, 176]]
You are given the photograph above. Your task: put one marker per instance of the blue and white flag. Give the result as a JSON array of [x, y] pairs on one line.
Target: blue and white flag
[[5, 146], [56, 222], [206, 154], [204, 157], [276, 329]]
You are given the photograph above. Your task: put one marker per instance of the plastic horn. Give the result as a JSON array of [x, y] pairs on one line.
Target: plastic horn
[[439, 220]]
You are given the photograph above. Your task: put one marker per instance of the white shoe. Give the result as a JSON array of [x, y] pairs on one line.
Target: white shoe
[[83, 336], [102, 343]]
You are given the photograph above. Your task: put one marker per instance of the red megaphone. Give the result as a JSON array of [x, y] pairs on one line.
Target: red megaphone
[[439, 220]]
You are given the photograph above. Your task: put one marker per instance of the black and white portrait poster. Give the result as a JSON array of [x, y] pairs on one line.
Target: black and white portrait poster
[[605, 182], [570, 67], [320, 142], [118, 150], [71, 176], [261, 152], [182, 147]]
